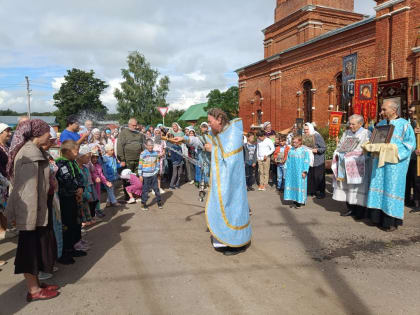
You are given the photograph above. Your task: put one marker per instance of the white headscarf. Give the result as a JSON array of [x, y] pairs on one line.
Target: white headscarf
[[311, 128], [53, 134]]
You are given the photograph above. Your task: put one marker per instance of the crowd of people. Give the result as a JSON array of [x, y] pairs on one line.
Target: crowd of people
[[51, 201]]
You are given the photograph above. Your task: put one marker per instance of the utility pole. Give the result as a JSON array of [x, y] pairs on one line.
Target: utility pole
[[29, 96]]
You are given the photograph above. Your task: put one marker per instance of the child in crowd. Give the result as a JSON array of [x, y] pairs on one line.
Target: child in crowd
[[297, 167], [70, 190], [134, 189], [264, 150], [98, 179], [160, 148], [177, 162], [250, 158], [109, 167], [88, 198], [280, 158], [148, 171]]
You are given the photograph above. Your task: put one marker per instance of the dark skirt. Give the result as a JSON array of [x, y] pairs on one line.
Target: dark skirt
[[316, 180], [37, 250]]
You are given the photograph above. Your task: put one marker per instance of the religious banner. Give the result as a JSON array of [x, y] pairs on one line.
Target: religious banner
[[365, 99], [335, 123], [349, 73]]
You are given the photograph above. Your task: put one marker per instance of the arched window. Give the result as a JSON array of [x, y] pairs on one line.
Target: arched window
[[307, 100], [258, 106]]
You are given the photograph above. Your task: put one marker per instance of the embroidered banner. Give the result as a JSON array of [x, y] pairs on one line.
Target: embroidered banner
[[366, 98], [349, 73], [335, 123]]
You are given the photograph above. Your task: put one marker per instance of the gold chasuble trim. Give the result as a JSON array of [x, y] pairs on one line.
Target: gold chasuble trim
[[219, 193], [224, 154]]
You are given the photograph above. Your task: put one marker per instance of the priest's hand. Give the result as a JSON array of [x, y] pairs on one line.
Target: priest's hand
[[207, 146], [417, 152], [304, 175], [314, 151]]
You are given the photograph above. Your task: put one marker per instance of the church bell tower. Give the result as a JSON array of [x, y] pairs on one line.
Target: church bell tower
[[298, 21]]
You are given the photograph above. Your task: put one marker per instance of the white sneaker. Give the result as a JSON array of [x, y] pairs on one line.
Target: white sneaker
[[161, 191], [191, 182], [131, 200], [86, 242], [84, 232], [81, 246], [44, 275], [153, 192], [55, 269]]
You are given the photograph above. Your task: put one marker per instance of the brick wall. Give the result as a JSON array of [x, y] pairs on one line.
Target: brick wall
[[286, 7], [319, 63]]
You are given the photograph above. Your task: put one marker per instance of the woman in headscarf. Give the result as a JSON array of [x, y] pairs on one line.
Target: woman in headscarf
[[96, 141], [176, 130], [5, 136], [316, 174], [28, 168], [268, 129]]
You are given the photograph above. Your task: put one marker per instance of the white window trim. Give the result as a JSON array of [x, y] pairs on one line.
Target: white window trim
[[387, 4]]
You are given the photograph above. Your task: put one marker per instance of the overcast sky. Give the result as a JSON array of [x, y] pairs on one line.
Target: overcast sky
[[198, 44]]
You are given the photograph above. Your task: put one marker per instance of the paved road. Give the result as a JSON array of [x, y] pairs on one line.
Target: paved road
[[306, 261]]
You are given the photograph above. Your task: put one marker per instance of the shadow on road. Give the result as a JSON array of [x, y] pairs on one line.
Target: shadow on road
[[346, 294], [13, 300]]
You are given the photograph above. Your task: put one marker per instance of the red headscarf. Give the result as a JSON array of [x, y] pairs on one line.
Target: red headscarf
[[24, 132]]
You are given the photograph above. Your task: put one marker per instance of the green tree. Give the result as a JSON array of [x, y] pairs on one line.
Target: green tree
[[227, 101], [141, 92], [9, 112], [79, 95]]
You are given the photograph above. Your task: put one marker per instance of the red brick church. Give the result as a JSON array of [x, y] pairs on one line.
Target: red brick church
[[301, 73]]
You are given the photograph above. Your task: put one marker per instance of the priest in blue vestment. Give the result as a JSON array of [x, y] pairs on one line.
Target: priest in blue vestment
[[297, 168], [387, 185], [227, 209]]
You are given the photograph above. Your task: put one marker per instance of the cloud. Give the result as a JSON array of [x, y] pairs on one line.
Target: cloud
[[108, 98], [57, 82]]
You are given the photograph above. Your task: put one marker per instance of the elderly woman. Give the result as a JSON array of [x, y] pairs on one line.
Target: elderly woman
[[96, 141], [268, 129], [387, 185], [316, 175], [351, 170], [29, 170]]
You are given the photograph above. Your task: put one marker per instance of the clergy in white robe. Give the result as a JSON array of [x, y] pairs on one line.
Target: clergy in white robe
[[352, 169]]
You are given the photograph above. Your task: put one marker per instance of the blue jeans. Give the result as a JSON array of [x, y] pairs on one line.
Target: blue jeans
[[280, 176], [111, 193]]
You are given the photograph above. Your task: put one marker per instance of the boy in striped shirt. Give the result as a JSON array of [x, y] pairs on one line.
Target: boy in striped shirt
[[148, 174]]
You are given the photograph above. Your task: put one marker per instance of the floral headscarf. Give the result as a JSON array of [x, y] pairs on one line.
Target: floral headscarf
[[24, 132]]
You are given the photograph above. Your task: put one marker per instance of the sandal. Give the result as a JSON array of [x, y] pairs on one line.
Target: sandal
[[49, 287], [42, 294]]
